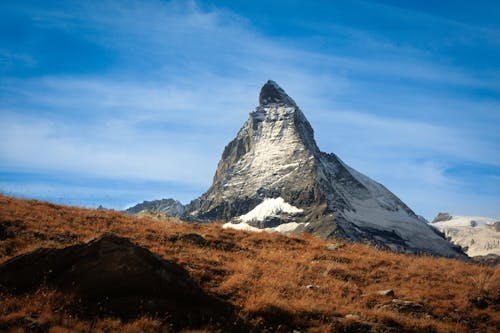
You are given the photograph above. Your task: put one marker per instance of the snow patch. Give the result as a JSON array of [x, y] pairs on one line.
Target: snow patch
[[282, 228], [269, 207], [240, 226]]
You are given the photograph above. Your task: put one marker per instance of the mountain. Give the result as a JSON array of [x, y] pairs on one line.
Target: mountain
[[478, 235], [170, 207], [273, 176]]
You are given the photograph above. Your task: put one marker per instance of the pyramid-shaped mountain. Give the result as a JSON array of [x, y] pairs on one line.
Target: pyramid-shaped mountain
[[273, 175]]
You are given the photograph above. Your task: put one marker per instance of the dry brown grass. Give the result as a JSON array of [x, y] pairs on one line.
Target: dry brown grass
[[277, 283]]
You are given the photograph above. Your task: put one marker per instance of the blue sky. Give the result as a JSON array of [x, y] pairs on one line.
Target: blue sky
[[114, 102]]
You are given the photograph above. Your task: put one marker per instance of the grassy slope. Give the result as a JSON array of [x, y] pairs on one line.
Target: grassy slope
[[276, 282]]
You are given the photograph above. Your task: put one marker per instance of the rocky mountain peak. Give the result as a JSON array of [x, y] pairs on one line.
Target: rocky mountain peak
[[273, 169], [272, 93]]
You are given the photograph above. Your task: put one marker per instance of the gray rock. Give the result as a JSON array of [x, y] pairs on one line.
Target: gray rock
[[312, 287], [406, 306], [352, 316], [388, 292], [440, 217], [170, 207], [333, 246]]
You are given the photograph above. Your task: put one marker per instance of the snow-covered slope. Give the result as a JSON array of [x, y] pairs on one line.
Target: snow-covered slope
[[274, 164], [478, 235], [265, 215], [269, 208]]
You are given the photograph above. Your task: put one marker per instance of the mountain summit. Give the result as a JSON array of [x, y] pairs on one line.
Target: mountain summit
[[271, 92], [273, 175]]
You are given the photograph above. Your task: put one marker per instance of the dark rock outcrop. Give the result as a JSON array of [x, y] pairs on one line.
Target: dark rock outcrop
[[271, 93], [114, 277], [441, 217], [3, 232], [487, 260]]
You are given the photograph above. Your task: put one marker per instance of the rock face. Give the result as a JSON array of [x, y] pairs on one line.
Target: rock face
[[156, 216], [274, 155], [440, 217], [170, 207], [113, 276]]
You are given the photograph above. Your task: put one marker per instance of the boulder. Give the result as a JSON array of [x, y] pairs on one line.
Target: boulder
[[388, 292]]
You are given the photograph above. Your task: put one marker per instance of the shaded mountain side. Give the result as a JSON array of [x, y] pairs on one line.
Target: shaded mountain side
[[274, 155]]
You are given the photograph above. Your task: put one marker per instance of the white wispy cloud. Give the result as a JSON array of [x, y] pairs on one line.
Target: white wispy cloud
[[114, 151]]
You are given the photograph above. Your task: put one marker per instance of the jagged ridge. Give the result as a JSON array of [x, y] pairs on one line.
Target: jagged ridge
[[170, 207]]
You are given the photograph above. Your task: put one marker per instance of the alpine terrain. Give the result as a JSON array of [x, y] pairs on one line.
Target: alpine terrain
[[273, 176], [166, 206], [70, 269], [479, 236]]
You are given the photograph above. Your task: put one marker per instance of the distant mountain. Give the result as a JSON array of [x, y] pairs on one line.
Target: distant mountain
[[478, 235], [273, 176], [170, 207]]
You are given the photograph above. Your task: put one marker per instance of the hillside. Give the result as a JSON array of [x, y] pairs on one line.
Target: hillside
[[272, 282]]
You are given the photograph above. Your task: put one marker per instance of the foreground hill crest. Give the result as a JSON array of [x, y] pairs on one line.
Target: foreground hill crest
[[274, 155]]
